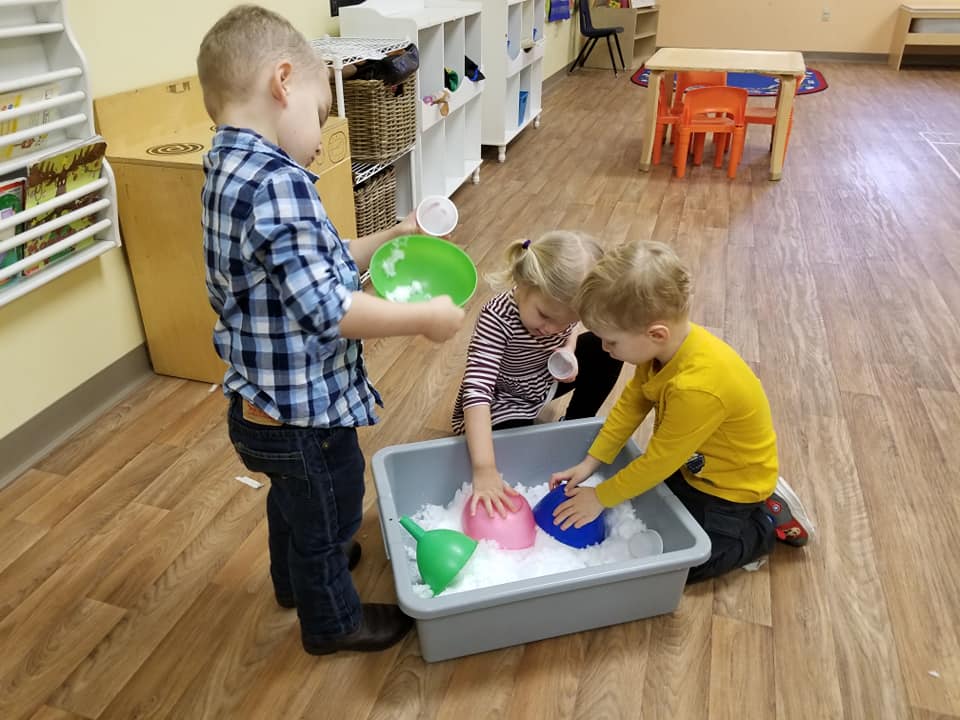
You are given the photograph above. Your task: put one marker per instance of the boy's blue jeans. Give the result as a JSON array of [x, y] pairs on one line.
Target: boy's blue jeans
[[314, 507]]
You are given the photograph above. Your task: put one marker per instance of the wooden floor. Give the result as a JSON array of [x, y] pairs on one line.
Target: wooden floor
[[133, 575]]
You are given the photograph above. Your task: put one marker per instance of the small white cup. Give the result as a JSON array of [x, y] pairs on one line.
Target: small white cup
[[437, 215], [562, 364], [645, 544]]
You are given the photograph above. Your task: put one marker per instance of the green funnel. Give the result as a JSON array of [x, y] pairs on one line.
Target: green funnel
[[441, 554]]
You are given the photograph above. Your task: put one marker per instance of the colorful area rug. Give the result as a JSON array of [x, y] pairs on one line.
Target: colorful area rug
[[756, 85]]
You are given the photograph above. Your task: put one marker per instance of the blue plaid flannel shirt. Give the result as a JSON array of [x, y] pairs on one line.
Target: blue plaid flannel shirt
[[280, 280]]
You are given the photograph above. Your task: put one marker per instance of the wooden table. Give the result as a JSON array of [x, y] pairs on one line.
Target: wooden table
[[906, 33], [788, 67]]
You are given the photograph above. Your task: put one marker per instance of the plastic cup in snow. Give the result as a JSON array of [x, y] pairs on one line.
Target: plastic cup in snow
[[645, 544], [437, 215]]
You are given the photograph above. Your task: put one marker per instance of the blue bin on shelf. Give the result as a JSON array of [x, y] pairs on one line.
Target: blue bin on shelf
[[524, 94]]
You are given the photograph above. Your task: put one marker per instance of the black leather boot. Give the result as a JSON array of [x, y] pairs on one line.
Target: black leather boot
[[381, 627]]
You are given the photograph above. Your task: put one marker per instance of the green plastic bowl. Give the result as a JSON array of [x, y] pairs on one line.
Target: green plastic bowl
[[416, 268]]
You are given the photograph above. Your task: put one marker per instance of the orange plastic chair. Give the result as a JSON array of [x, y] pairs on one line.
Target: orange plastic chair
[[717, 110], [670, 115], [764, 115], [695, 79]]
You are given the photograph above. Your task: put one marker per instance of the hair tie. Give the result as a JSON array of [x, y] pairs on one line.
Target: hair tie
[[526, 244]]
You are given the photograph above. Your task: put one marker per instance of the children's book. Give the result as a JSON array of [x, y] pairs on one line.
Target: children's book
[[55, 175], [13, 100], [11, 202]]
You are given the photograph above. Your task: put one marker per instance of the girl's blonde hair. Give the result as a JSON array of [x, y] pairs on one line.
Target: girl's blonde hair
[[634, 285], [555, 264]]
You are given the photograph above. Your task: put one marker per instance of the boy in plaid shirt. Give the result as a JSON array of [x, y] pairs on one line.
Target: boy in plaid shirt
[[286, 290]]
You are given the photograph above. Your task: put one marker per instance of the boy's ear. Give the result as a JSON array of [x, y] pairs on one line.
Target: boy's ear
[[658, 332], [280, 81]]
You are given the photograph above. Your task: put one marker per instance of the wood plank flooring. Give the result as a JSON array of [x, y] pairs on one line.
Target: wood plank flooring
[[133, 576]]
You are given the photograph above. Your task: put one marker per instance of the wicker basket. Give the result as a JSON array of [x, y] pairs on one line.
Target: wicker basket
[[383, 119], [376, 202]]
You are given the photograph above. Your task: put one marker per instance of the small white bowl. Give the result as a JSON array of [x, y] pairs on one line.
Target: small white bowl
[[562, 364], [645, 544], [437, 215]]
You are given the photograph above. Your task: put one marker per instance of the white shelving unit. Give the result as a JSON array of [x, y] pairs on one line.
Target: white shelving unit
[[513, 50], [447, 150], [37, 49], [338, 52]]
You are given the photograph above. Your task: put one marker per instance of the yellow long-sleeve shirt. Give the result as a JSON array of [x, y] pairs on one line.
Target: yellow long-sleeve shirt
[[707, 401]]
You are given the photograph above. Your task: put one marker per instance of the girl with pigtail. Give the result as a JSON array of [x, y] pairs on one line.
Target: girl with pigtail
[[507, 381]]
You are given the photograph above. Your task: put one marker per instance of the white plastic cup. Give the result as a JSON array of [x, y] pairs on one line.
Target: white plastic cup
[[562, 364], [645, 544], [437, 215]]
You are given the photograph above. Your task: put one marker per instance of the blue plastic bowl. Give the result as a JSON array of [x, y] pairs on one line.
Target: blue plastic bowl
[[590, 534]]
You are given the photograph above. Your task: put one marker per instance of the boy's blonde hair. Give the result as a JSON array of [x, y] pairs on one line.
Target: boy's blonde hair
[[238, 47], [633, 285], [555, 264]]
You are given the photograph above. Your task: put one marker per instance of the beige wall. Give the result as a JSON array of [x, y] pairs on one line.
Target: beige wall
[[855, 26], [132, 43], [64, 333], [56, 337], [563, 44]]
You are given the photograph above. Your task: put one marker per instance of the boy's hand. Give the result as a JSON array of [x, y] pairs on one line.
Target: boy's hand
[[575, 475], [492, 492], [443, 319], [582, 507], [409, 225]]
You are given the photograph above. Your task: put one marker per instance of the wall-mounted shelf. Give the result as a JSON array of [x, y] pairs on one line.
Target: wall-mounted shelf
[[39, 53]]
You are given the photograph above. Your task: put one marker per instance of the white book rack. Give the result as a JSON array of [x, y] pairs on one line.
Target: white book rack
[[37, 50]]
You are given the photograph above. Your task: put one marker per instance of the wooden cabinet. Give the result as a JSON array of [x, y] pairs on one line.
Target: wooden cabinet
[[157, 137]]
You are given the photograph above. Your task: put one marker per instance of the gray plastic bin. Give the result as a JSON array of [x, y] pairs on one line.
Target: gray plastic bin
[[408, 476]]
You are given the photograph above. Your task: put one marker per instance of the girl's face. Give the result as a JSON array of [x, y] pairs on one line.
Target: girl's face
[[542, 315]]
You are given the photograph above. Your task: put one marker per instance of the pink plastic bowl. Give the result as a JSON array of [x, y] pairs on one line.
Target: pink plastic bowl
[[514, 532]]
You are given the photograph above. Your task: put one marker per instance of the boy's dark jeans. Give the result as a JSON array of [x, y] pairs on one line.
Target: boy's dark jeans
[[314, 507], [739, 532]]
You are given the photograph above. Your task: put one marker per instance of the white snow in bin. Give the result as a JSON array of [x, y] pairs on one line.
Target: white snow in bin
[[491, 566]]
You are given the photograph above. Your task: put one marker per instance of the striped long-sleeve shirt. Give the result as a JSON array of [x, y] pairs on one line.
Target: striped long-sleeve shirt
[[506, 365]]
